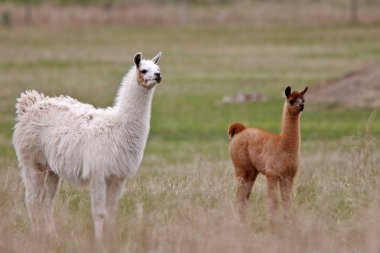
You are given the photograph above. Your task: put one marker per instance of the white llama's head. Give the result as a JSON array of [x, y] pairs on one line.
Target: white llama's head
[[148, 72]]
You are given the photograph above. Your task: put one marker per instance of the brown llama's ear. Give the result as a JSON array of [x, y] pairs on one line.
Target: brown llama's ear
[[304, 91], [288, 90], [137, 58]]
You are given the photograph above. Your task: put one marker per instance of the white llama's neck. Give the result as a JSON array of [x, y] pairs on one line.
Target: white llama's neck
[[290, 132], [133, 101]]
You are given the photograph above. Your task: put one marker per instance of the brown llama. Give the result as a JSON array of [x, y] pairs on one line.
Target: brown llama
[[254, 151]]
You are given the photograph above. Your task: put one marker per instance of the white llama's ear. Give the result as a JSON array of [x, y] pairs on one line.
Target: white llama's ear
[[138, 58], [288, 90], [304, 91], [157, 58]]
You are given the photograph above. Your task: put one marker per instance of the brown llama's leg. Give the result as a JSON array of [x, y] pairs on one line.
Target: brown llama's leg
[[244, 187], [272, 197], [286, 187]]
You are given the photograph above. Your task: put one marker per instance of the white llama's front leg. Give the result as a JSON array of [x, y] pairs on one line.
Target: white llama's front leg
[[115, 188], [98, 205]]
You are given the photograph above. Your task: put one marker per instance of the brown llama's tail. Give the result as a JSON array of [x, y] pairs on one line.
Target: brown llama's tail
[[26, 100], [235, 128]]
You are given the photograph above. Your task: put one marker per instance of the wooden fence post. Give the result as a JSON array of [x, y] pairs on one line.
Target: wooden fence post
[[354, 11], [28, 11], [184, 12]]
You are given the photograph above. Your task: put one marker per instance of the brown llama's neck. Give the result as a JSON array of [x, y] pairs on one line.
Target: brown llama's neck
[[290, 132]]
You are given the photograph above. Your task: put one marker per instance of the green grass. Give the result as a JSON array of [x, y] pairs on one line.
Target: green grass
[[184, 192]]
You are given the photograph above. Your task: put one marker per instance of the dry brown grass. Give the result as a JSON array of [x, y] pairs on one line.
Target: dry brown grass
[[191, 208]]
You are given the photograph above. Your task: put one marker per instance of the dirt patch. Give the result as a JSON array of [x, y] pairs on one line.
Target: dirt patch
[[359, 88], [243, 98]]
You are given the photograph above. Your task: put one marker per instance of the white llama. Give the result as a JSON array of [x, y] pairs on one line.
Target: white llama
[[58, 137]]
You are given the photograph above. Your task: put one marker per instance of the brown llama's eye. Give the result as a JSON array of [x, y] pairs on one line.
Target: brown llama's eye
[[292, 101], [144, 71]]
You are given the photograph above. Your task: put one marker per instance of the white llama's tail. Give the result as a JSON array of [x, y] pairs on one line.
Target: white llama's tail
[[26, 100]]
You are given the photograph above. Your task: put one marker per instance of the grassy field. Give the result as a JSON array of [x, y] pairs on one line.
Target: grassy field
[[182, 199]]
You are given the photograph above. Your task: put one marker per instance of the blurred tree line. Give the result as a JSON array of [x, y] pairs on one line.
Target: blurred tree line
[[191, 2], [353, 5]]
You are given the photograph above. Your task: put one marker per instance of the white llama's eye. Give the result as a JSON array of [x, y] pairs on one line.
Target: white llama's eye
[[144, 71]]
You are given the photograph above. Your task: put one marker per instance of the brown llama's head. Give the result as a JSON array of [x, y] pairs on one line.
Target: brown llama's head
[[295, 100]]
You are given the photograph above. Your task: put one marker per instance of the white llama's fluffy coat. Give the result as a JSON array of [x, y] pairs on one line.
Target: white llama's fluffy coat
[[83, 144]]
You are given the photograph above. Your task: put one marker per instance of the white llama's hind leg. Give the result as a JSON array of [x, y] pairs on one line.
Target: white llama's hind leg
[[51, 183], [41, 187], [34, 186], [115, 188], [98, 205]]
